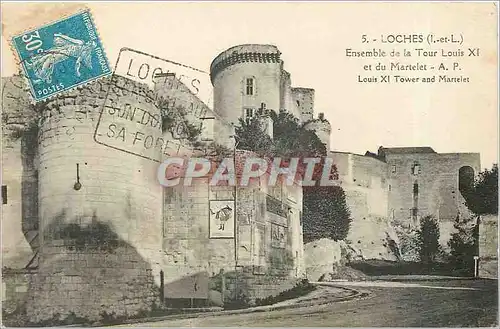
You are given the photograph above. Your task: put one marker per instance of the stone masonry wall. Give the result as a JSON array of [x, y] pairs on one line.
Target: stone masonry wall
[[19, 176], [488, 246], [364, 180], [303, 103], [91, 283], [100, 240], [438, 193], [186, 244], [176, 95], [252, 259], [15, 289], [108, 232]]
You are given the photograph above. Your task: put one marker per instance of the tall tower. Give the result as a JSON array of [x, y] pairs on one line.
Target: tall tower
[[303, 101], [246, 78], [99, 208]]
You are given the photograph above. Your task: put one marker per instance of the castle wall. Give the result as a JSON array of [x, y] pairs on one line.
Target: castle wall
[[488, 246], [16, 251], [364, 181], [438, 193], [378, 190], [15, 284], [176, 94], [253, 259], [286, 100], [303, 101], [322, 129], [112, 192], [19, 176], [100, 241], [186, 244]]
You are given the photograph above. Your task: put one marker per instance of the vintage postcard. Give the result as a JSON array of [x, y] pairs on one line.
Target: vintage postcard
[[254, 164]]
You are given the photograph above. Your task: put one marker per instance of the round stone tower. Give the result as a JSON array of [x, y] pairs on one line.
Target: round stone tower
[[99, 207], [322, 128], [246, 78]]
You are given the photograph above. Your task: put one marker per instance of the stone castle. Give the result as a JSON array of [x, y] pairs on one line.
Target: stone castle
[[395, 184], [87, 228]]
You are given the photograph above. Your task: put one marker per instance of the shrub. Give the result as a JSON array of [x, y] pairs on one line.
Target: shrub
[[463, 243], [301, 288], [408, 241]]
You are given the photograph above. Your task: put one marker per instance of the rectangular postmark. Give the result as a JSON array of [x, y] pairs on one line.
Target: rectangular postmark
[[61, 55], [143, 89]]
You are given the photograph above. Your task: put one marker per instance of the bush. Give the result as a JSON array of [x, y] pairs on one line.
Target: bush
[[301, 288], [463, 243], [408, 241], [252, 137]]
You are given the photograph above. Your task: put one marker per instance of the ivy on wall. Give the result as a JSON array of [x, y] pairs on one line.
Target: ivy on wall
[[482, 197], [174, 120], [325, 214]]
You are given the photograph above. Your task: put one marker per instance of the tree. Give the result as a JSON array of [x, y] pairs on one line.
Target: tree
[[251, 136], [463, 243], [291, 139], [326, 214], [325, 211], [428, 240], [483, 198]]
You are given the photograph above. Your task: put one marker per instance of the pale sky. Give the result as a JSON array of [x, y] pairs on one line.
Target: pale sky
[[313, 37]]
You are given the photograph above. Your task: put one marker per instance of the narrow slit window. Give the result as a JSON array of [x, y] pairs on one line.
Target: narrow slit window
[[4, 194]]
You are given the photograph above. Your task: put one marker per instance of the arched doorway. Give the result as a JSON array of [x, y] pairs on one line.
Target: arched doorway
[[465, 180]]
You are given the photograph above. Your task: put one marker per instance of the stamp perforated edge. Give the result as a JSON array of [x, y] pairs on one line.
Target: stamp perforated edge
[[20, 65]]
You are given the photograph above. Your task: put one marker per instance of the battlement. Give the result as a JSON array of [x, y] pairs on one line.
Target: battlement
[[303, 90], [244, 53]]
